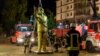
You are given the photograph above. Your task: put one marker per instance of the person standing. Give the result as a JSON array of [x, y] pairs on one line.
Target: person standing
[[73, 41], [56, 44], [51, 37]]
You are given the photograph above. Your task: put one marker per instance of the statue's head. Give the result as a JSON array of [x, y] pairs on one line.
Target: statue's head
[[40, 10]]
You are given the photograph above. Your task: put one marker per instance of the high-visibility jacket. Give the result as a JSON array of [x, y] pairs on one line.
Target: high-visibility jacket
[[73, 40]]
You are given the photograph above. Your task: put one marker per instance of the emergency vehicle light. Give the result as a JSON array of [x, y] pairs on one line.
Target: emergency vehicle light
[[94, 21], [24, 25]]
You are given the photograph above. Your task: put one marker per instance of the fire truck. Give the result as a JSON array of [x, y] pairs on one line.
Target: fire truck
[[21, 31], [60, 31], [93, 36]]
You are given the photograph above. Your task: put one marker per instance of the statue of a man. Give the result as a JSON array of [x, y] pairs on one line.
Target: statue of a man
[[41, 19]]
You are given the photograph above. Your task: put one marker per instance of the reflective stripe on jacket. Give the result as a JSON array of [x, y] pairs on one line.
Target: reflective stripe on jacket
[[73, 48], [74, 36]]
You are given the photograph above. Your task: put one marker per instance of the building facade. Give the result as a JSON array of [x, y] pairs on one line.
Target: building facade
[[74, 9]]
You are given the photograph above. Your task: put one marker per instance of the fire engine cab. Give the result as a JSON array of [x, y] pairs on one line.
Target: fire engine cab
[[21, 31], [93, 36]]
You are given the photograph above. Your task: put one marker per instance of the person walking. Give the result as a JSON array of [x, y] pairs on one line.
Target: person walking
[[26, 43], [73, 41]]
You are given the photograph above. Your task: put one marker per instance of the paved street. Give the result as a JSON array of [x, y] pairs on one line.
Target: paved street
[[13, 50]]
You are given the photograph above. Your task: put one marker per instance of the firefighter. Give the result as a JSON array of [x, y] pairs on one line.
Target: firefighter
[[26, 43], [73, 41]]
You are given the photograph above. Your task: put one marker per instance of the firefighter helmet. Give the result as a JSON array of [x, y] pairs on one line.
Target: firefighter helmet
[[72, 25]]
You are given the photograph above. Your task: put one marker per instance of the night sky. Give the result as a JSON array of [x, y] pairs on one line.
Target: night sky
[[47, 4]]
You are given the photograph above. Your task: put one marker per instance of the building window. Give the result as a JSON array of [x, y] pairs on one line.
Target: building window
[[67, 14], [67, 0], [75, 0], [70, 6], [70, 0], [61, 10], [97, 0], [67, 7], [71, 14], [97, 8]]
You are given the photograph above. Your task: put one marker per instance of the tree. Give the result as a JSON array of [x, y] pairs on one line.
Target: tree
[[93, 5], [85, 7], [21, 10], [8, 14], [13, 12], [51, 19]]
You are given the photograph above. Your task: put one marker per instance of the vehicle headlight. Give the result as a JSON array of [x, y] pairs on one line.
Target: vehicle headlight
[[99, 44], [28, 33], [20, 40], [32, 39]]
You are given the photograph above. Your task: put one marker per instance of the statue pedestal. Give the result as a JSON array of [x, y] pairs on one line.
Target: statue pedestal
[[44, 52]]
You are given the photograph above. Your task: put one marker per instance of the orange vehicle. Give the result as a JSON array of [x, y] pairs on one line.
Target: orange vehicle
[[21, 31]]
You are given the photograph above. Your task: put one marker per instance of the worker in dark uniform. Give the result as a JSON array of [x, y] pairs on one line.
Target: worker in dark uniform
[[51, 37], [26, 43], [56, 42], [73, 41]]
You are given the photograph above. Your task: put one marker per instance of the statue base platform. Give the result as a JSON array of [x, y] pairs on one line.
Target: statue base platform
[[43, 52]]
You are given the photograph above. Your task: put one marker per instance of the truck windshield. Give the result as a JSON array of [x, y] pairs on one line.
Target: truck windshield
[[24, 28], [94, 26]]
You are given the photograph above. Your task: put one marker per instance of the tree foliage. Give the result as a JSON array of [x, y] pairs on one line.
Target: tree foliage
[[51, 19], [8, 14], [13, 12], [21, 10]]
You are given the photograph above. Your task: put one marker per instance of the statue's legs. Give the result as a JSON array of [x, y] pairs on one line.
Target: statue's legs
[[44, 41], [39, 40]]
